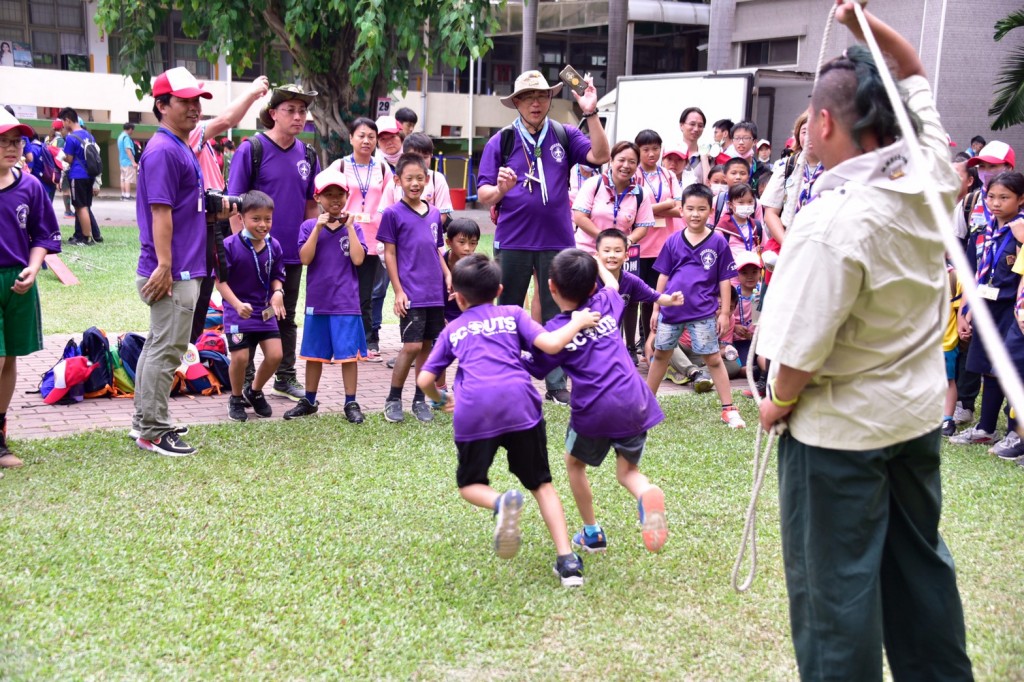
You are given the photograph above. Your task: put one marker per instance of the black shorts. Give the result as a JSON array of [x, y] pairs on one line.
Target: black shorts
[[592, 451], [249, 340], [421, 324], [527, 457], [81, 193]]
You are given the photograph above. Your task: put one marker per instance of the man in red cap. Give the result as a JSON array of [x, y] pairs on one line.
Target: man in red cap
[[28, 231], [170, 209]]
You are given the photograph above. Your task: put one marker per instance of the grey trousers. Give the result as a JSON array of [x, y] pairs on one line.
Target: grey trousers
[[170, 323]]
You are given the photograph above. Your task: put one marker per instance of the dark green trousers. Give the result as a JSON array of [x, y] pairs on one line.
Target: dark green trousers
[[865, 564]]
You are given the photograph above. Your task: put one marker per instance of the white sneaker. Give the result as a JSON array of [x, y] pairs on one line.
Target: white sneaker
[[731, 416], [962, 416], [973, 436]]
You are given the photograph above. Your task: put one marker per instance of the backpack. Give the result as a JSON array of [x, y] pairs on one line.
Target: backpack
[[48, 172], [214, 317], [508, 141], [61, 382], [129, 348], [969, 202], [211, 340], [257, 159], [192, 377], [136, 150], [720, 206], [91, 157], [123, 382], [218, 365], [48, 380], [96, 348]]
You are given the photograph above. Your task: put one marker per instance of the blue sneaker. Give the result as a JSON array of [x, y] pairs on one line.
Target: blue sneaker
[[590, 543], [570, 571], [506, 528]]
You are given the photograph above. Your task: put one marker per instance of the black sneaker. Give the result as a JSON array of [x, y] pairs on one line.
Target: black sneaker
[[948, 427], [570, 571], [354, 413], [421, 411], [86, 241], [558, 397], [259, 403], [168, 445], [303, 409], [702, 383], [289, 388], [97, 238], [236, 409], [133, 433], [393, 411]]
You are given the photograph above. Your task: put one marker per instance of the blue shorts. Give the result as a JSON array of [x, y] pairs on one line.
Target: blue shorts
[[326, 338], [703, 335], [951, 356], [592, 451]]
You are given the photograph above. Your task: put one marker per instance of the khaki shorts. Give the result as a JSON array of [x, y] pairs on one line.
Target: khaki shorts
[[127, 173]]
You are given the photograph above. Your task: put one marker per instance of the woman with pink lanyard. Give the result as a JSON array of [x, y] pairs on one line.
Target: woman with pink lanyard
[[691, 123], [367, 177]]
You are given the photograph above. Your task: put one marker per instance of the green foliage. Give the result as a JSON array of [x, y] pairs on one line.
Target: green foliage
[[1008, 106]]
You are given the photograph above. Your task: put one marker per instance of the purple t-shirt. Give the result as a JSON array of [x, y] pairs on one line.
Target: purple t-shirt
[[524, 221], [696, 270], [632, 289], [27, 220], [249, 284], [332, 285], [609, 398], [494, 394], [169, 174], [285, 175], [74, 151], [416, 238], [451, 307]]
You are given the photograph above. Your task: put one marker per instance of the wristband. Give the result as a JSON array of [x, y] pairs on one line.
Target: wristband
[[592, 113], [277, 291], [438, 404], [776, 401]]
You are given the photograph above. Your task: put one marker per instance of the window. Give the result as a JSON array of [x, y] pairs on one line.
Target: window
[[770, 52], [170, 48], [11, 11]]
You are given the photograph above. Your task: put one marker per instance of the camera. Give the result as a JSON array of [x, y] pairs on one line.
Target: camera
[[215, 203]]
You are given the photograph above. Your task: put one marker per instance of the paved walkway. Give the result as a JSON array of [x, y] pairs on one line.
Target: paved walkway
[[29, 417]]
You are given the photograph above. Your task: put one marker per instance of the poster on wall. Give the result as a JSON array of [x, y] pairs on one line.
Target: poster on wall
[[15, 53]]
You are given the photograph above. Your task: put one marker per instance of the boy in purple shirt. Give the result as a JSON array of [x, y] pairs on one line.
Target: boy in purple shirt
[[699, 262], [411, 233], [28, 231], [332, 247], [499, 407], [254, 294], [611, 406]]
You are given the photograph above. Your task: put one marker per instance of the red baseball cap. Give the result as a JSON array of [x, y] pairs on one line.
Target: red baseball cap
[[388, 125], [675, 151], [994, 152], [180, 83], [57, 124], [748, 258], [8, 122], [332, 176]]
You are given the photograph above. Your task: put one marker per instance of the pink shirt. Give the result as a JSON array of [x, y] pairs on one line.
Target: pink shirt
[[213, 178], [374, 179], [436, 193], [665, 184], [597, 201]]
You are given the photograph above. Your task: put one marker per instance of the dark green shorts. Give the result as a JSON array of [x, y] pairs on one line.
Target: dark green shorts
[[21, 323]]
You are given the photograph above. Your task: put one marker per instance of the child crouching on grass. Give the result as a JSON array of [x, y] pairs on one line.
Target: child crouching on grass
[[331, 247], [612, 407], [28, 231], [498, 405], [699, 262], [254, 294]]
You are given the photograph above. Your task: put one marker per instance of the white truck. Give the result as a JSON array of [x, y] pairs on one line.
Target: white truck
[[772, 99]]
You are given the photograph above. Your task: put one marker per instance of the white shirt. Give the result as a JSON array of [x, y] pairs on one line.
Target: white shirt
[[858, 295]]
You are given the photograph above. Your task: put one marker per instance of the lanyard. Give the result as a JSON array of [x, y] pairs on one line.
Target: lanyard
[[534, 155], [739, 306], [661, 182], [256, 260], [748, 241], [364, 187], [195, 164], [617, 200], [999, 253]]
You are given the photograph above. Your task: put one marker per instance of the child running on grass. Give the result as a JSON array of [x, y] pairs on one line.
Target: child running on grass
[[498, 405], [28, 231], [411, 233], [254, 294], [612, 408], [332, 248], [698, 261]]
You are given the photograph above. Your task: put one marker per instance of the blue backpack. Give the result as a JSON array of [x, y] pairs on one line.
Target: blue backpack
[[44, 166], [96, 348], [217, 364], [129, 348], [77, 392]]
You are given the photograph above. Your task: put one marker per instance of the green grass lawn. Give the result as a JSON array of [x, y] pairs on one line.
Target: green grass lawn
[[324, 550], [107, 296]]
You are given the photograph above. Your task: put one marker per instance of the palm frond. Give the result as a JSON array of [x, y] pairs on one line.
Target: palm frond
[[1008, 106], [1008, 23]]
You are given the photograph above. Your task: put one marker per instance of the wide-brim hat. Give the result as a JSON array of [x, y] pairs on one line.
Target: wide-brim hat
[[527, 81], [282, 94], [8, 122]]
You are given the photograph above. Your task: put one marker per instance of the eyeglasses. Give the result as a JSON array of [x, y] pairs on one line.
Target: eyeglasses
[[534, 97], [292, 111], [7, 142], [742, 139]]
